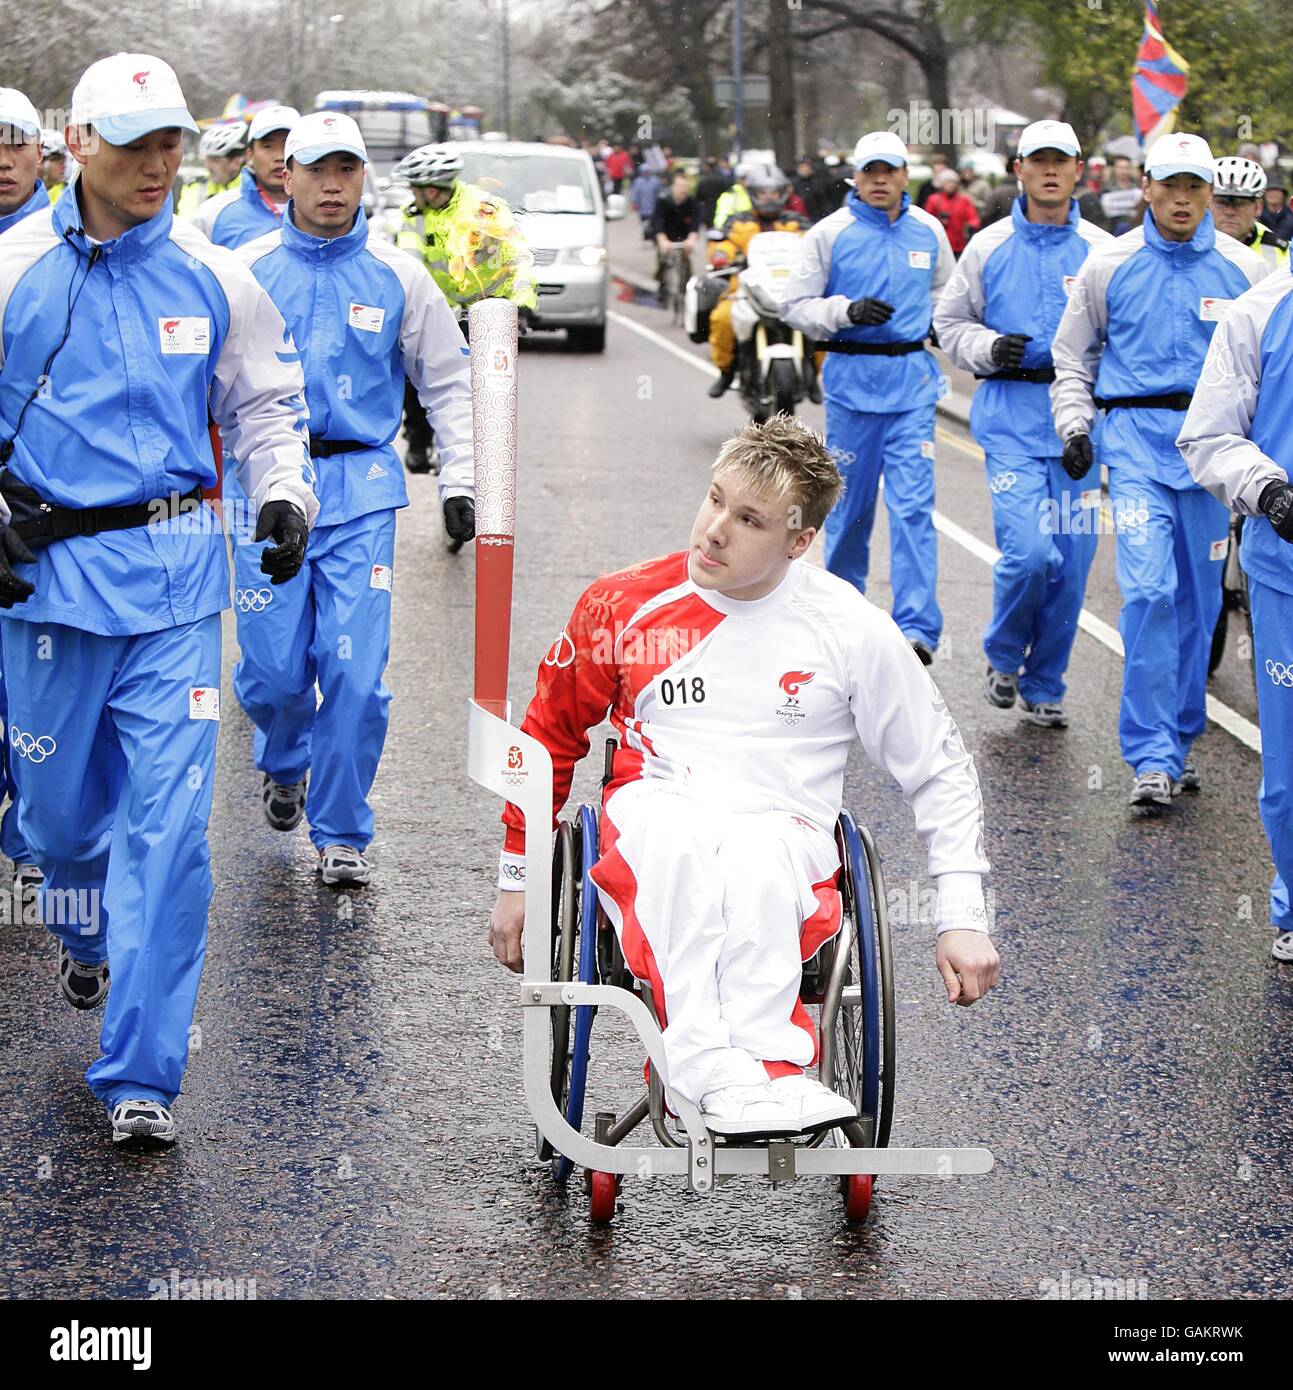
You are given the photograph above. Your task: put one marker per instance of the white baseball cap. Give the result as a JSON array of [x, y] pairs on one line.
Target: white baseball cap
[[324, 132], [879, 144], [17, 111], [128, 96], [272, 118], [1049, 135], [1179, 154]]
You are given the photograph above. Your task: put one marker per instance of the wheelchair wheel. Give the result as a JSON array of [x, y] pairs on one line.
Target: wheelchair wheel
[[863, 1044], [858, 1188], [585, 915], [565, 932], [603, 1188]]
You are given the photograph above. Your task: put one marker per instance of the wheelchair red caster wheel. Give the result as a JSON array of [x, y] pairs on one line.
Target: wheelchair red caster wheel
[[857, 1196], [603, 1188]]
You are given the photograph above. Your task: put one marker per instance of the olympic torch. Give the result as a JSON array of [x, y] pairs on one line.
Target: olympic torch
[[493, 334], [500, 757]]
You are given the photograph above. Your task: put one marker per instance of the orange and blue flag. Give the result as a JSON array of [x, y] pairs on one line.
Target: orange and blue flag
[[1159, 82]]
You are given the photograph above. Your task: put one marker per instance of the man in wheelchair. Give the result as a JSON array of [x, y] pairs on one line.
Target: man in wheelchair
[[737, 680]]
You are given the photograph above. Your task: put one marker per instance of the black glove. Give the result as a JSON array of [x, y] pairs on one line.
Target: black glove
[[460, 519], [1276, 502], [13, 549], [1077, 458], [1008, 350], [871, 312], [286, 523]]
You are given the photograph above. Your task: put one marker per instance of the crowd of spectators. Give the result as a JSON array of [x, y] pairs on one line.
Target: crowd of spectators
[[963, 199]]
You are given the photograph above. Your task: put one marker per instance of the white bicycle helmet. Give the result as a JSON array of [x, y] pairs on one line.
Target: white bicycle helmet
[[220, 140], [768, 188], [1236, 177], [51, 143], [429, 166]]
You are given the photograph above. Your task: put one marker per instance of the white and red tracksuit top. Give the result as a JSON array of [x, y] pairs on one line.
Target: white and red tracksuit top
[[757, 703]]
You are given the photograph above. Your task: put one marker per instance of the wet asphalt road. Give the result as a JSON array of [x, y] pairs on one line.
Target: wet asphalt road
[[352, 1118]]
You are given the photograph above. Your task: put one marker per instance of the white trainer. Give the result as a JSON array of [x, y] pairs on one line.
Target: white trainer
[[1282, 947], [1153, 788], [340, 866], [816, 1105], [145, 1120], [747, 1111]]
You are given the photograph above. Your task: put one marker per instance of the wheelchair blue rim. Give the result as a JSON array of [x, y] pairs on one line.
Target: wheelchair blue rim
[[587, 975], [860, 875]]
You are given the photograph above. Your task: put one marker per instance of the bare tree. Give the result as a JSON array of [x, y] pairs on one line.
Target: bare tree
[[781, 79], [665, 44], [916, 27]]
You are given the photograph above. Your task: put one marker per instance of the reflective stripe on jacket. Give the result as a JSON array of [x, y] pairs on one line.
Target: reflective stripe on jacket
[[473, 248]]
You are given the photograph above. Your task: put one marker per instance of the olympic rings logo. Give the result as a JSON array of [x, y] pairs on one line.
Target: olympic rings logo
[[35, 749], [252, 600], [1003, 482], [1131, 518], [1219, 365], [1279, 673]]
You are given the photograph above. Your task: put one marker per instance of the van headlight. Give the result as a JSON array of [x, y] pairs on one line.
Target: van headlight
[[586, 255]]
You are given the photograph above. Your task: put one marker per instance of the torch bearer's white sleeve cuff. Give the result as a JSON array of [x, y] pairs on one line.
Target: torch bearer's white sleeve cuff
[[511, 872]]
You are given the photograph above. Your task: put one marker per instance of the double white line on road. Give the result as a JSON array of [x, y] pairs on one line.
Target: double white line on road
[[1221, 714]]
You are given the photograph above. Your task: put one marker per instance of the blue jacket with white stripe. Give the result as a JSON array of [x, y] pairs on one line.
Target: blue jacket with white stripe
[[1140, 317], [157, 328], [366, 314], [858, 253], [238, 215], [1238, 434], [1013, 277]]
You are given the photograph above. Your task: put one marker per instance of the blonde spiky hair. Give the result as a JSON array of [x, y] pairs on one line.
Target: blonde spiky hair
[[786, 459]]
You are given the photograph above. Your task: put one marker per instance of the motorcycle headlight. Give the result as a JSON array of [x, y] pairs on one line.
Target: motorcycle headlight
[[586, 255]]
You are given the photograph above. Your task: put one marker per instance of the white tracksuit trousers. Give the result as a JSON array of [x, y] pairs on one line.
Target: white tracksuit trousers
[[708, 904]]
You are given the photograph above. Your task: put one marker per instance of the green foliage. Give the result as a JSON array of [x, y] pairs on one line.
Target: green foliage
[[1240, 54]]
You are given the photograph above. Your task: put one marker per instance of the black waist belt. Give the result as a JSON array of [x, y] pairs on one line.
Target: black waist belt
[[1018, 374], [1178, 400], [325, 448], [873, 349], [35, 520]]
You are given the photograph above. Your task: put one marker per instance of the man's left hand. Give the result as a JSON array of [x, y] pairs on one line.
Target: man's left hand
[[969, 965]]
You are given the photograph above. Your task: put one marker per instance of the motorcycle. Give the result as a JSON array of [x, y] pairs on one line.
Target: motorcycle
[[775, 368]]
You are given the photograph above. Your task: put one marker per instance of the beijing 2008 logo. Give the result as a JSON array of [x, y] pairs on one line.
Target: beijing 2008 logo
[[791, 683], [515, 772]]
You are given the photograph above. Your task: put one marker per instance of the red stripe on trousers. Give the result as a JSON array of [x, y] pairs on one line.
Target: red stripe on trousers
[[613, 875]]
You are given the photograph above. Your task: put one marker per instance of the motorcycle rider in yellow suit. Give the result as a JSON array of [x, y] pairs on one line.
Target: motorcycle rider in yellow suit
[[768, 189]]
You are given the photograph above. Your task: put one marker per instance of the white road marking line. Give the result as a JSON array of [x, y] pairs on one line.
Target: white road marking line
[[1234, 723], [652, 336]]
